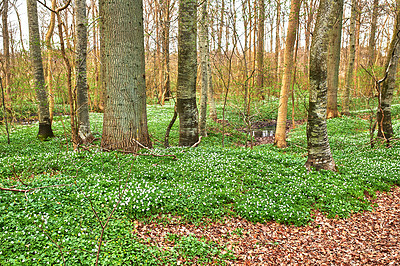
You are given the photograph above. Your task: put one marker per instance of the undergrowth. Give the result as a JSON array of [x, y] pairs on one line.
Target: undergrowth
[[44, 225]]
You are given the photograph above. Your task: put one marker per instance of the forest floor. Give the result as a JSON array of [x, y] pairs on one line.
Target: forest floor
[[219, 203], [367, 238]]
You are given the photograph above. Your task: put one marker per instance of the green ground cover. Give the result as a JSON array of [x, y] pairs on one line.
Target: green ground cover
[[209, 181]]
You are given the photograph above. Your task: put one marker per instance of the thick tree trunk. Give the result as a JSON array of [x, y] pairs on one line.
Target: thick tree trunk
[[82, 107], [319, 151], [384, 118], [204, 54], [333, 68], [125, 118], [280, 134], [352, 55], [45, 130], [187, 72], [6, 49]]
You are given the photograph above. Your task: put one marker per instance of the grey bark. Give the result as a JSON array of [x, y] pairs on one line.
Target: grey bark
[[384, 117], [45, 130], [187, 72], [204, 55], [125, 117], [333, 67], [82, 107], [352, 56], [319, 151], [371, 43]]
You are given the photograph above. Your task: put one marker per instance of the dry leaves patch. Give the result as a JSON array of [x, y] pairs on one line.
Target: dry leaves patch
[[369, 238]]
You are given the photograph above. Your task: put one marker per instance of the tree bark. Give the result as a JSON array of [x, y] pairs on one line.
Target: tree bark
[[260, 47], [165, 25], [333, 68], [385, 95], [125, 118], [204, 55], [45, 130], [211, 95], [187, 72], [6, 49], [371, 44], [49, 76], [280, 134], [82, 107], [352, 55], [319, 151], [277, 39]]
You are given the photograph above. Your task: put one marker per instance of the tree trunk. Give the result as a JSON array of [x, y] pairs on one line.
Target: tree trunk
[[319, 151], [49, 75], [280, 134], [333, 68], [277, 39], [204, 54], [6, 49], [371, 44], [165, 80], [260, 47], [187, 72], [352, 55], [125, 118], [45, 130], [211, 97], [385, 95], [82, 107]]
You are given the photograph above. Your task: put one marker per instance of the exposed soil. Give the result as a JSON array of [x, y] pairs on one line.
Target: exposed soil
[[369, 238]]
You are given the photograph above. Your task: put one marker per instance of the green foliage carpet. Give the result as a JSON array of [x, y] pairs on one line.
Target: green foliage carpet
[[60, 221]]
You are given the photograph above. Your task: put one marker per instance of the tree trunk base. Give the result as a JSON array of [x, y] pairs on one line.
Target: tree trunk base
[[318, 164], [45, 131]]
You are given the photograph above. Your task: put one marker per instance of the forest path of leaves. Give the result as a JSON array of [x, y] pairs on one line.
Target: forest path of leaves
[[369, 238]]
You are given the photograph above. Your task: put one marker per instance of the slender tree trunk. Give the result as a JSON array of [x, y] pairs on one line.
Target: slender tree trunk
[[82, 107], [260, 47], [187, 72], [385, 95], [277, 39], [280, 134], [352, 55], [49, 76], [45, 130], [211, 97], [371, 44], [333, 68], [165, 17], [6, 49], [319, 151], [357, 48], [204, 54], [125, 117]]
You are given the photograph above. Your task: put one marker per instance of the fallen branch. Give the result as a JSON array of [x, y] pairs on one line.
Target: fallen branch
[[31, 189]]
